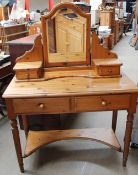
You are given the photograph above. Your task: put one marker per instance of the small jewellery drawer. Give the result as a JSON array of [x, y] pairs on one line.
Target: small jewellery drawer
[[41, 105], [101, 103], [28, 74], [108, 70]]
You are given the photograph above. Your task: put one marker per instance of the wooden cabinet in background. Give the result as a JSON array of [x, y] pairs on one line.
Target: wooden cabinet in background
[[107, 18], [119, 29], [11, 32], [116, 31], [111, 41], [4, 13], [108, 42], [35, 28]]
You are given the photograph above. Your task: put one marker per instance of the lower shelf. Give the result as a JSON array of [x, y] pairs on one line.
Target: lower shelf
[[37, 139]]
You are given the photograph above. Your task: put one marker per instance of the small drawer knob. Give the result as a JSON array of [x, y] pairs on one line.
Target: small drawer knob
[[41, 105], [104, 103], [110, 71]]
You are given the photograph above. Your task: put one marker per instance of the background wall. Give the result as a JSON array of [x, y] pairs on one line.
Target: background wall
[[43, 4], [39, 4], [95, 4]]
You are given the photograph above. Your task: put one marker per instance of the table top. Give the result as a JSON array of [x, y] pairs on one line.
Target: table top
[[28, 40], [69, 85]]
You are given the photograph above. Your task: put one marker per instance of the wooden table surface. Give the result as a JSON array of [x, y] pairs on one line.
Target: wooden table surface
[[28, 40], [69, 86]]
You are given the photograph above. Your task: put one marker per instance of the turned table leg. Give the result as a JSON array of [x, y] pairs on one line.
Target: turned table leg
[[17, 144], [25, 124], [114, 120], [15, 133], [127, 139]]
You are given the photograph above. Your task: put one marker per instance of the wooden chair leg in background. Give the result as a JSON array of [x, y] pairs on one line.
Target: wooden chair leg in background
[[25, 124], [2, 113], [114, 120]]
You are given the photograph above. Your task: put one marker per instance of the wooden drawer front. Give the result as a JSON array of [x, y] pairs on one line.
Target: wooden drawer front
[[41, 105], [109, 102], [108, 70], [28, 74], [21, 75]]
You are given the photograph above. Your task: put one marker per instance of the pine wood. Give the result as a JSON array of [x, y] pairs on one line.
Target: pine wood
[[70, 89], [65, 105], [42, 106], [98, 51], [107, 62], [107, 18], [70, 86], [29, 66], [72, 34], [38, 139], [35, 54], [15, 133], [129, 126], [102, 103], [75, 27], [76, 94], [72, 38], [105, 67], [28, 70]]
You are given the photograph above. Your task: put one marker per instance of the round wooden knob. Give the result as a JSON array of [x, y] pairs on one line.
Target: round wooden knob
[[110, 71], [104, 103], [41, 105]]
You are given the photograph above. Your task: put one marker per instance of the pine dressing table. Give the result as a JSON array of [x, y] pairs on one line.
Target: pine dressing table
[[69, 80]]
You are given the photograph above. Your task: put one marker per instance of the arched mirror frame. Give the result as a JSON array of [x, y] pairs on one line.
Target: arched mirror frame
[[76, 9]]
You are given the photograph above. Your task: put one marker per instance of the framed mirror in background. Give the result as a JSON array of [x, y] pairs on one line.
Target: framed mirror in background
[[66, 36]]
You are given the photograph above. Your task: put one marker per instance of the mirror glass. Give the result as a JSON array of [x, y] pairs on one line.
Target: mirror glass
[[66, 37]]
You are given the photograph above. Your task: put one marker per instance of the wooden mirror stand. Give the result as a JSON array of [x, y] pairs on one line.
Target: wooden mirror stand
[[65, 46], [66, 36]]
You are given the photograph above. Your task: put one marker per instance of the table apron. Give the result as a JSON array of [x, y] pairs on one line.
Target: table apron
[[73, 104]]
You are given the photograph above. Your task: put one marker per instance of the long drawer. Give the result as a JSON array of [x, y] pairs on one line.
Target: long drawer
[[101, 103], [41, 105], [71, 104]]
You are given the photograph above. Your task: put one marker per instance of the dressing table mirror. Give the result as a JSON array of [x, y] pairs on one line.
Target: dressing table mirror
[[65, 45], [66, 36]]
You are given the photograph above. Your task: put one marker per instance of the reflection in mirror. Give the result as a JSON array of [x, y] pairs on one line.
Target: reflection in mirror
[[66, 37]]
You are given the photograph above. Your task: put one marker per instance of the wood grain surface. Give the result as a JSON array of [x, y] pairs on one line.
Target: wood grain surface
[[70, 85], [38, 139]]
